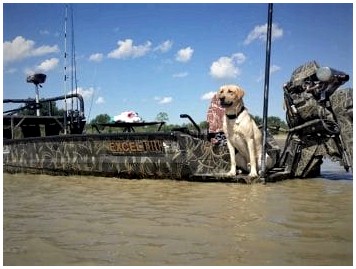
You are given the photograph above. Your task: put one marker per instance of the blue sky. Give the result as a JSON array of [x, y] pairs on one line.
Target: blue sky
[[170, 58]]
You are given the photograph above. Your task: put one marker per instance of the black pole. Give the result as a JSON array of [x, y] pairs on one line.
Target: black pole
[[266, 90]]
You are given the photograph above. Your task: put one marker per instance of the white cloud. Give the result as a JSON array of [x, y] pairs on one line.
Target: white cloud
[[239, 58], [44, 32], [226, 67], [260, 32], [207, 96], [47, 65], [29, 71], [100, 100], [184, 55], [126, 49], [180, 75], [97, 57], [20, 48], [164, 100], [86, 93], [165, 46], [272, 69]]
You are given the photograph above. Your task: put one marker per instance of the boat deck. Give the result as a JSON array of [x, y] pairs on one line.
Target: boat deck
[[274, 175]]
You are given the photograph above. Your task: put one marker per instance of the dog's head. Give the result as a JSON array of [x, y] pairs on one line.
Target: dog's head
[[230, 95]]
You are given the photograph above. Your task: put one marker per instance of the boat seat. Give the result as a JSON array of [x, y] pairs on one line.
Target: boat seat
[[36, 79]]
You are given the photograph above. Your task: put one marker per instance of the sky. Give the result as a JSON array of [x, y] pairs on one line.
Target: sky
[[171, 58]]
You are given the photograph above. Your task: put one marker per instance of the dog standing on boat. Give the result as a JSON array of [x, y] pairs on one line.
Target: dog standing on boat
[[241, 132]]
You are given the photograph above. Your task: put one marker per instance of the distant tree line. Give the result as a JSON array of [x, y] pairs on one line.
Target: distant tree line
[[274, 124]]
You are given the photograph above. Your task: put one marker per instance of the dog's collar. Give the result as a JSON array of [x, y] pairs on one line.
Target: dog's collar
[[234, 116]]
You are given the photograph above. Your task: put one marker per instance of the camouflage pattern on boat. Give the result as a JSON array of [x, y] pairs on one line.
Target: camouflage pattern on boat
[[160, 155]]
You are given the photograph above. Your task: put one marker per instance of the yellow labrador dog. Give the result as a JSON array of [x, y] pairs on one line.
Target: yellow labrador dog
[[241, 132]]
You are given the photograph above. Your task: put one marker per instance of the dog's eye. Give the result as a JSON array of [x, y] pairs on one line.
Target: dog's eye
[[229, 91]]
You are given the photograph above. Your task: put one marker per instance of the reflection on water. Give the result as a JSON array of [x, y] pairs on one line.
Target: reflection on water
[[104, 221]]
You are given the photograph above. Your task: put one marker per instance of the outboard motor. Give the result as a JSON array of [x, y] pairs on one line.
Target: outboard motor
[[319, 116]]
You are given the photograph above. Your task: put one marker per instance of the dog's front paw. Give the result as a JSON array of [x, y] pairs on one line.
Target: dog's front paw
[[253, 175]]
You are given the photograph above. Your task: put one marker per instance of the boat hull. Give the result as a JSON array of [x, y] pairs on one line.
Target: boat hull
[[172, 155]]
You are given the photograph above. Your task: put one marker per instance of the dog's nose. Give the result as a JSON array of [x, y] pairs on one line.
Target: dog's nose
[[222, 99]]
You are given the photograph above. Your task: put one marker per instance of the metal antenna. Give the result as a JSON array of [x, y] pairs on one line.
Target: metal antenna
[[65, 69], [74, 81], [266, 90]]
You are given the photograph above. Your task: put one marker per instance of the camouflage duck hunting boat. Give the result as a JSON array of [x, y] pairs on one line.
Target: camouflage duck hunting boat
[[319, 115]]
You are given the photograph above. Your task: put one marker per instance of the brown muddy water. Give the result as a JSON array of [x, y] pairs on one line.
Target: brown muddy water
[[54, 220]]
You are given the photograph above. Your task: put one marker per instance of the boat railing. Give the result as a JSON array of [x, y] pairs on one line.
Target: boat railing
[[127, 127], [30, 125]]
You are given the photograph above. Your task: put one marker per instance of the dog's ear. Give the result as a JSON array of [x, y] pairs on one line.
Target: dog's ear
[[239, 92]]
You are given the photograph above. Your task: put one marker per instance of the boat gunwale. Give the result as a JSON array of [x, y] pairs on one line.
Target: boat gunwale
[[102, 136]]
